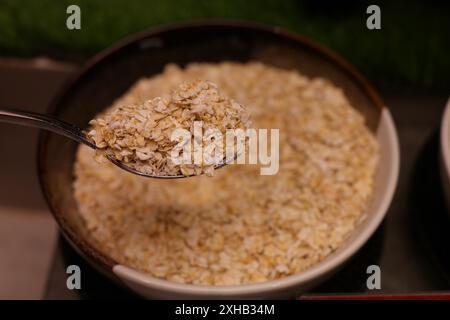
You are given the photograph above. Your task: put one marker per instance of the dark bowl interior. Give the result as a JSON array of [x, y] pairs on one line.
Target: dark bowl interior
[[111, 73]]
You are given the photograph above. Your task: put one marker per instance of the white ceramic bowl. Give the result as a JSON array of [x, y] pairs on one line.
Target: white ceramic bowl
[[445, 154], [107, 75]]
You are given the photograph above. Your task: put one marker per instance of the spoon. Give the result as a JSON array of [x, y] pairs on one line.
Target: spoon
[[41, 121]]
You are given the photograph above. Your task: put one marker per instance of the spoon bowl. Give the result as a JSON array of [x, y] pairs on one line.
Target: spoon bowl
[[123, 166]]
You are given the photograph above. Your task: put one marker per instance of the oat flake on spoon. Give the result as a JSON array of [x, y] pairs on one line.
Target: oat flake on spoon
[[140, 135]]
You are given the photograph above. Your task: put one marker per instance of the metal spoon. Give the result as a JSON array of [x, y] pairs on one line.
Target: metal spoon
[[41, 121]]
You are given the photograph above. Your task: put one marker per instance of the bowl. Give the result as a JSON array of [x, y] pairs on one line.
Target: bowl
[[445, 154], [109, 74]]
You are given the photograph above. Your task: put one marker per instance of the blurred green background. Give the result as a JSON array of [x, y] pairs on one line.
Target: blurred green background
[[412, 48]]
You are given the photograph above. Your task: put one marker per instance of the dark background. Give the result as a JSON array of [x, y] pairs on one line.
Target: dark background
[[412, 48]]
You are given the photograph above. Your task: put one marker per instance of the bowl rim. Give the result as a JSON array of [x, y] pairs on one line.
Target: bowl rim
[[89, 251], [445, 138]]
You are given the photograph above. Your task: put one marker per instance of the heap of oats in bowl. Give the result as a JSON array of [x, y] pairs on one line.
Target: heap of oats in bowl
[[140, 134], [239, 227]]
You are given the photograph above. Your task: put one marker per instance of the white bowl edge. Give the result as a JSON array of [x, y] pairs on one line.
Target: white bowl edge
[[445, 153]]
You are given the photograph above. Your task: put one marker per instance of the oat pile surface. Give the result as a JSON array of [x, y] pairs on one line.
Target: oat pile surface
[[239, 227], [139, 134]]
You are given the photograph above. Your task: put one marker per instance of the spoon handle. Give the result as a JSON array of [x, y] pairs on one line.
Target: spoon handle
[[40, 121]]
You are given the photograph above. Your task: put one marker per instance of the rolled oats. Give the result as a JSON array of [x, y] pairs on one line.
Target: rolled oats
[[239, 227], [139, 135]]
